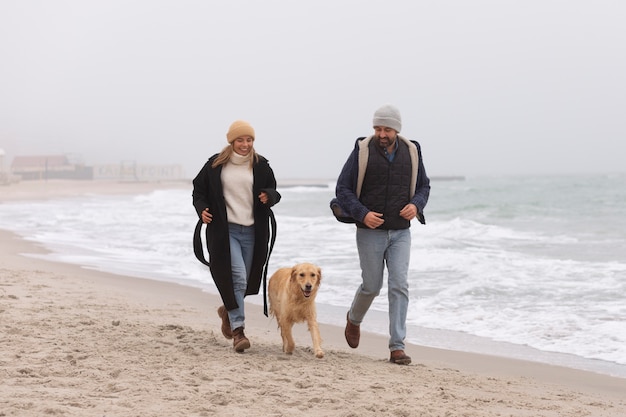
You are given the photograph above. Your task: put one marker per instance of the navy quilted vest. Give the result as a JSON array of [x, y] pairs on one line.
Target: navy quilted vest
[[386, 185]]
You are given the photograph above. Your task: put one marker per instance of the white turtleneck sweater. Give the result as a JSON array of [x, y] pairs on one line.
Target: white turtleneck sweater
[[237, 180]]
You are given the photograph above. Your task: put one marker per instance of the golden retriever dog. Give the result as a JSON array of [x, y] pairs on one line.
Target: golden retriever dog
[[291, 293]]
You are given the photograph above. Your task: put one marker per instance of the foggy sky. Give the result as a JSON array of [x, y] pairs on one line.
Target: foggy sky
[[487, 87]]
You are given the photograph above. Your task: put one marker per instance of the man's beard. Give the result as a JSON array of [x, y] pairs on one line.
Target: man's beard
[[386, 142]]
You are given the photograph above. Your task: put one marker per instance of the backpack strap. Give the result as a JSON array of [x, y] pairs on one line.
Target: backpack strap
[[197, 243], [267, 260], [364, 154]]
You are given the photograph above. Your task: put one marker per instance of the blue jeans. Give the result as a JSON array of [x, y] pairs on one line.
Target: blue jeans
[[241, 254], [376, 248]]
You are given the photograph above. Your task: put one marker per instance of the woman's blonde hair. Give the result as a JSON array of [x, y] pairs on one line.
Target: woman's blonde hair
[[226, 153]]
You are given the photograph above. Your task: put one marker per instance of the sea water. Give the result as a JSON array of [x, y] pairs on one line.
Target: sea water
[[531, 267]]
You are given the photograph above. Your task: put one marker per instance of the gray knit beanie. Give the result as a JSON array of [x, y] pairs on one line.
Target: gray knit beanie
[[388, 116]]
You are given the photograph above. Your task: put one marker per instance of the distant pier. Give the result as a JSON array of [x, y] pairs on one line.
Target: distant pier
[[447, 178], [317, 182]]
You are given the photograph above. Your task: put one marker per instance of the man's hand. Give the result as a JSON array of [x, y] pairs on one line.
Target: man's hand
[[373, 219], [409, 211]]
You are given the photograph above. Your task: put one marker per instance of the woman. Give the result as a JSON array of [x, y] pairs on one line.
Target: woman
[[232, 195]]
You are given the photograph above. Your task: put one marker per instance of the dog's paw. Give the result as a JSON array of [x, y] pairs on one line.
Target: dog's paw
[[319, 354]]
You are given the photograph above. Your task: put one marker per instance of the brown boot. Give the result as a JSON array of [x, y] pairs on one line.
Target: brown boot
[[226, 331], [240, 341], [399, 357], [353, 333]]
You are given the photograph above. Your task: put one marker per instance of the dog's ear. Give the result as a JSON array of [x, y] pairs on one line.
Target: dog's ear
[[294, 273], [319, 274]]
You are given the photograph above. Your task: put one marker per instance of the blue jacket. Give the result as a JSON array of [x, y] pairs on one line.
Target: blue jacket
[[347, 206]]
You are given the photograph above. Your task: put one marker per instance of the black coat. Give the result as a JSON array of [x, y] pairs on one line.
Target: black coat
[[208, 192]]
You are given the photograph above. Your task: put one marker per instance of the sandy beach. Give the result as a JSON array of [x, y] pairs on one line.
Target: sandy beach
[[78, 342]]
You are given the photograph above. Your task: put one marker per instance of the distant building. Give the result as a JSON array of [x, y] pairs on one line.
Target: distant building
[[131, 171], [50, 167], [5, 177], [70, 167]]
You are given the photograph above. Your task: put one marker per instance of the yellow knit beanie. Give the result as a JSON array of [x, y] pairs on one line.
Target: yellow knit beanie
[[238, 129]]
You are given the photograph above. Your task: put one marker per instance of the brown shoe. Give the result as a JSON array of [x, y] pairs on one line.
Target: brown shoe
[[226, 331], [399, 357], [353, 333], [240, 341]]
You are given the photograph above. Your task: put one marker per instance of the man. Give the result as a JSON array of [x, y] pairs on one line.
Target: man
[[382, 187]]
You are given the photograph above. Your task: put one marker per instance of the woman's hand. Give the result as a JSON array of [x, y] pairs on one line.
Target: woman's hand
[[263, 197], [206, 216]]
